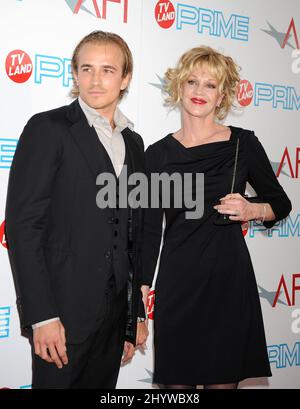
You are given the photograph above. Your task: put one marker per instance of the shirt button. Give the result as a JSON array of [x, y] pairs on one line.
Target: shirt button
[[116, 220], [115, 247], [116, 233]]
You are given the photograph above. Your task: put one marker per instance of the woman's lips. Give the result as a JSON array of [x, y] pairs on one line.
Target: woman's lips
[[198, 101]]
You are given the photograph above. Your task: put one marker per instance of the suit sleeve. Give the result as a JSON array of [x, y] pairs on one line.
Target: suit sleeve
[[263, 179], [152, 224], [32, 176]]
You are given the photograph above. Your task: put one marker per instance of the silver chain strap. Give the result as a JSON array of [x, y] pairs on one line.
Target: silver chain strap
[[235, 165]]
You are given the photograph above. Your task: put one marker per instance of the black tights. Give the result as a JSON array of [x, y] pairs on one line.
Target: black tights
[[215, 386]]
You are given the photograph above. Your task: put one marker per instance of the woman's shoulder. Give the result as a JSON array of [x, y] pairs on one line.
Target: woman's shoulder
[[237, 131], [244, 135], [159, 145]]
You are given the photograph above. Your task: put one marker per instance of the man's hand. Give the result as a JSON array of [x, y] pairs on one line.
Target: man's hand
[[142, 334], [50, 343], [128, 352]]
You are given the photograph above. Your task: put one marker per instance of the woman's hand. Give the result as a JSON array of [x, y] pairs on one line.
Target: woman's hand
[[237, 207]]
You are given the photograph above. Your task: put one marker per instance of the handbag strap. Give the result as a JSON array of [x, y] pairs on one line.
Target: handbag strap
[[235, 164]]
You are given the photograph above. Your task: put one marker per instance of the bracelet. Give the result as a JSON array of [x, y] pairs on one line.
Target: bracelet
[[263, 217]]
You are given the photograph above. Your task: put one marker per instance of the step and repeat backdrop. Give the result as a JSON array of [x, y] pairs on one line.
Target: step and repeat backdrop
[[263, 37]]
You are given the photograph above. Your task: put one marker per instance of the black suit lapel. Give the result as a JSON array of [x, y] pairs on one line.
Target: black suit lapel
[[88, 142], [133, 151], [86, 138]]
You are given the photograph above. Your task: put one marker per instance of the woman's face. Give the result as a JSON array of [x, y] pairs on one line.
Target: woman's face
[[200, 94]]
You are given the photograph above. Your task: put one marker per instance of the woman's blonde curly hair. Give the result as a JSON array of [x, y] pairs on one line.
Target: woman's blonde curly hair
[[221, 67]]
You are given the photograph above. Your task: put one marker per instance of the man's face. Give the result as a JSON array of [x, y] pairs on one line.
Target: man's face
[[99, 76]]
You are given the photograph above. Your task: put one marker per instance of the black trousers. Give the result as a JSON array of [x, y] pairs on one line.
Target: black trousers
[[95, 363]]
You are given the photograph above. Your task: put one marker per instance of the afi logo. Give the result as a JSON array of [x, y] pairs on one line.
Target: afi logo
[[291, 29], [284, 39], [290, 297], [101, 12], [293, 166]]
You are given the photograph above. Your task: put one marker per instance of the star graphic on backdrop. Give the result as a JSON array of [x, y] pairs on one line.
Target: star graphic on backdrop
[[275, 167], [269, 295], [147, 380], [72, 4], [279, 37], [159, 85]]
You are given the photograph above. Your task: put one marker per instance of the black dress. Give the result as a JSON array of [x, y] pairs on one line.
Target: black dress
[[208, 325]]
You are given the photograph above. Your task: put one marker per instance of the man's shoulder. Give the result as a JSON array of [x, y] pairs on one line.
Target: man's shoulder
[[53, 116], [135, 136]]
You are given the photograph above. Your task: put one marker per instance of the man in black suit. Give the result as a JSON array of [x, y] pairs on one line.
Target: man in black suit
[[76, 265]]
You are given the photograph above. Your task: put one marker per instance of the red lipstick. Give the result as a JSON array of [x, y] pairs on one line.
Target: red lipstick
[[198, 101]]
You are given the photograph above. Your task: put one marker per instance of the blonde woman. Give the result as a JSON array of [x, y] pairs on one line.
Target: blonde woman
[[208, 326]]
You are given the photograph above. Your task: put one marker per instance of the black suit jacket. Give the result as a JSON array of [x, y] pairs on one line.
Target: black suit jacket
[[58, 238]]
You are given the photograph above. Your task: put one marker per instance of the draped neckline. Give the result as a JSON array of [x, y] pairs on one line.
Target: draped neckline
[[171, 136]]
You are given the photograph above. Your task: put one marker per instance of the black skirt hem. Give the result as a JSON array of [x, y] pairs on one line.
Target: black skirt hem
[[160, 381]]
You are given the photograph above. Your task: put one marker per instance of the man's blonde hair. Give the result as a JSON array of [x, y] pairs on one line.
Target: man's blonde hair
[[103, 37]]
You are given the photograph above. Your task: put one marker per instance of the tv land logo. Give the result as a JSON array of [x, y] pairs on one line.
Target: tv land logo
[[98, 8], [5, 313], [245, 228], [19, 67], [2, 235], [244, 93], [165, 13], [284, 355], [205, 21], [150, 304]]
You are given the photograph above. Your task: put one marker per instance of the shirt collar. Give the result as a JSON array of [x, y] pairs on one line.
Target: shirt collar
[[121, 121]]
